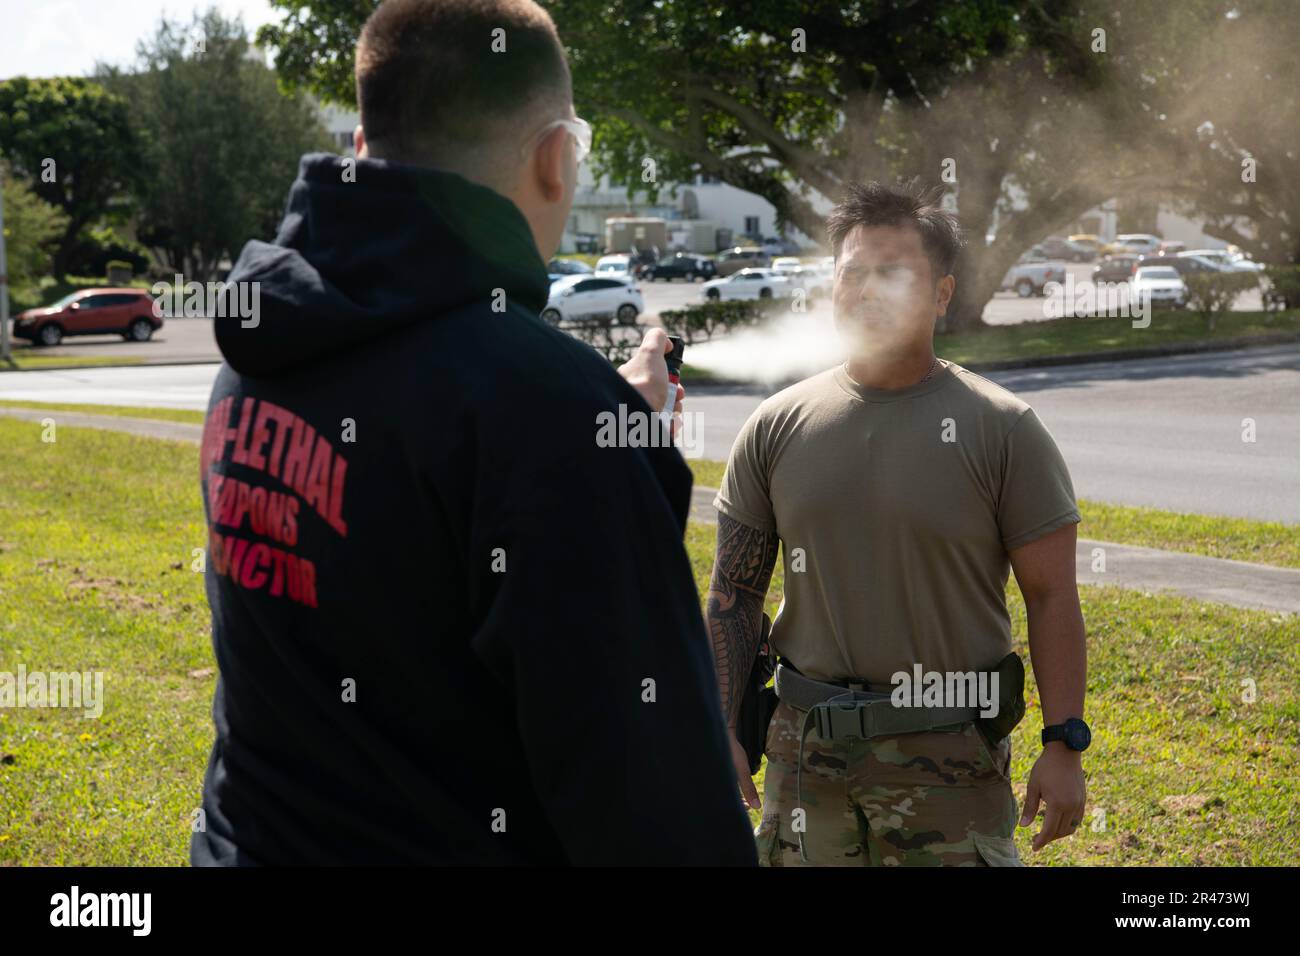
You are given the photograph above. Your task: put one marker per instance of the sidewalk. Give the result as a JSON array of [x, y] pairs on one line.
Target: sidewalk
[[145, 427], [1215, 580]]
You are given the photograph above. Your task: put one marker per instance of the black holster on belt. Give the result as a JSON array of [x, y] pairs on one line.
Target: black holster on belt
[[1011, 700], [758, 702]]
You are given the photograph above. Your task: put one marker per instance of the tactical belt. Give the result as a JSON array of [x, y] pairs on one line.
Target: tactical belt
[[843, 711], [853, 710]]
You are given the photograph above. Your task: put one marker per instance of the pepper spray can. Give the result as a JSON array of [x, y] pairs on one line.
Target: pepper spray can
[[674, 361]]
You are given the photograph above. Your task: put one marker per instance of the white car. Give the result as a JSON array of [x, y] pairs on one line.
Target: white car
[[616, 265], [748, 284], [1162, 284], [1030, 275], [815, 282], [1225, 260], [786, 264], [600, 296]]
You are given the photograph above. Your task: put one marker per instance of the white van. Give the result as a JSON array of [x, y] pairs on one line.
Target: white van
[[616, 266]]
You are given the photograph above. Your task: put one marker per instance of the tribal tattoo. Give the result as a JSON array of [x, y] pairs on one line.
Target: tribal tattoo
[[742, 570]]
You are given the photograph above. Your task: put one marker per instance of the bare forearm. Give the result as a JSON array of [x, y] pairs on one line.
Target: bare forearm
[[1058, 649], [742, 570]]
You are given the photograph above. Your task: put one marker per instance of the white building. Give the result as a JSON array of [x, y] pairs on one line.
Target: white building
[[341, 125], [733, 213]]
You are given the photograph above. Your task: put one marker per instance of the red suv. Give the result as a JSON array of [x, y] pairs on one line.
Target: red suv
[[127, 312]]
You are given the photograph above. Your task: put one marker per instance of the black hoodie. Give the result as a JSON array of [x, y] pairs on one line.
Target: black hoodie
[[451, 627]]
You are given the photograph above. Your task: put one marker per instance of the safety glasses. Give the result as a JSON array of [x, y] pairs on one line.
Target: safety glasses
[[579, 128]]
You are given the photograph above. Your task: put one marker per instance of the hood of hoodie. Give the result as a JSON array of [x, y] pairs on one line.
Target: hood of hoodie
[[362, 252]]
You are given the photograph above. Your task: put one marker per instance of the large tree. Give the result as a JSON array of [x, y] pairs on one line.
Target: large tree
[[33, 228], [221, 142], [1238, 122], [1031, 111], [74, 143]]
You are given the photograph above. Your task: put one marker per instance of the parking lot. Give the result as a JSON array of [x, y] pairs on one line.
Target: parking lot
[[190, 340]]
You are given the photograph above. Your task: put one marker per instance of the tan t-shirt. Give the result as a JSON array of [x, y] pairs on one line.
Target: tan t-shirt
[[900, 506]]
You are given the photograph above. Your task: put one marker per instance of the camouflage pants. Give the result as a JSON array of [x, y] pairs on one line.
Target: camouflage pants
[[937, 798]]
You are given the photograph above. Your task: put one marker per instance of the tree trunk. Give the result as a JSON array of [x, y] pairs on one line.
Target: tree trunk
[[973, 292]]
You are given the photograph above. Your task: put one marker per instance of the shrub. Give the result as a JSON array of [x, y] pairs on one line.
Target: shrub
[[698, 323], [1209, 293], [1282, 291]]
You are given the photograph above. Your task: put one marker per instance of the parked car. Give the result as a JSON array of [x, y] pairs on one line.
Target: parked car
[[683, 265], [642, 260], [786, 264], [558, 268], [1090, 241], [742, 257], [1183, 265], [1162, 284], [614, 265], [1137, 243], [576, 298], [1171, 248], [1116, 268], [816, 282], [776, 246], [1032, 273], [125, 312], [1225, 259], [1054, 247], [748, 284]]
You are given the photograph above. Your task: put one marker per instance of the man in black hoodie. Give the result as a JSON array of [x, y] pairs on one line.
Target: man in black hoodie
[[451, 627]]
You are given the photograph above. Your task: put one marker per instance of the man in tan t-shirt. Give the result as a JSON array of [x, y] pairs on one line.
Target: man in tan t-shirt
[[902, 488]]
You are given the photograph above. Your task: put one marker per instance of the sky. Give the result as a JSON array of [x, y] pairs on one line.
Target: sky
[[42, 38]]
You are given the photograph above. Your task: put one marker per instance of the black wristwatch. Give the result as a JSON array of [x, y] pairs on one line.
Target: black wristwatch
[[1074, 733]]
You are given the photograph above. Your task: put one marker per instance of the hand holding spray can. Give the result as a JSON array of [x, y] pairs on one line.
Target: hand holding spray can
[[674, 361]]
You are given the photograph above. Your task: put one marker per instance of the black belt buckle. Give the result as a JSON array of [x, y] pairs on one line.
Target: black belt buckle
[[841, 720]]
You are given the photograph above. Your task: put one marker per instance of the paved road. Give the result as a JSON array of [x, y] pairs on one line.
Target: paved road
[[150, 386], [179, 340], [1161, 432]]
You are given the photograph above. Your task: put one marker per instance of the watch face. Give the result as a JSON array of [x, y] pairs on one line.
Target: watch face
[[1077, 734]]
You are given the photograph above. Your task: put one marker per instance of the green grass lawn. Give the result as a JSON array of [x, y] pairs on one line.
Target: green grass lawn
[[997, 343], [26, 360], [122, 411], [96, 539]]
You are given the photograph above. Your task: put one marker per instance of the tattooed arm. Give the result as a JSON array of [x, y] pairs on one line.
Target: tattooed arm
[[742, 570]]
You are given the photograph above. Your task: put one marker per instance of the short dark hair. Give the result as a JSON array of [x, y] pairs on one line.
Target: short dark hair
[[877, 204], [429, 84]]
